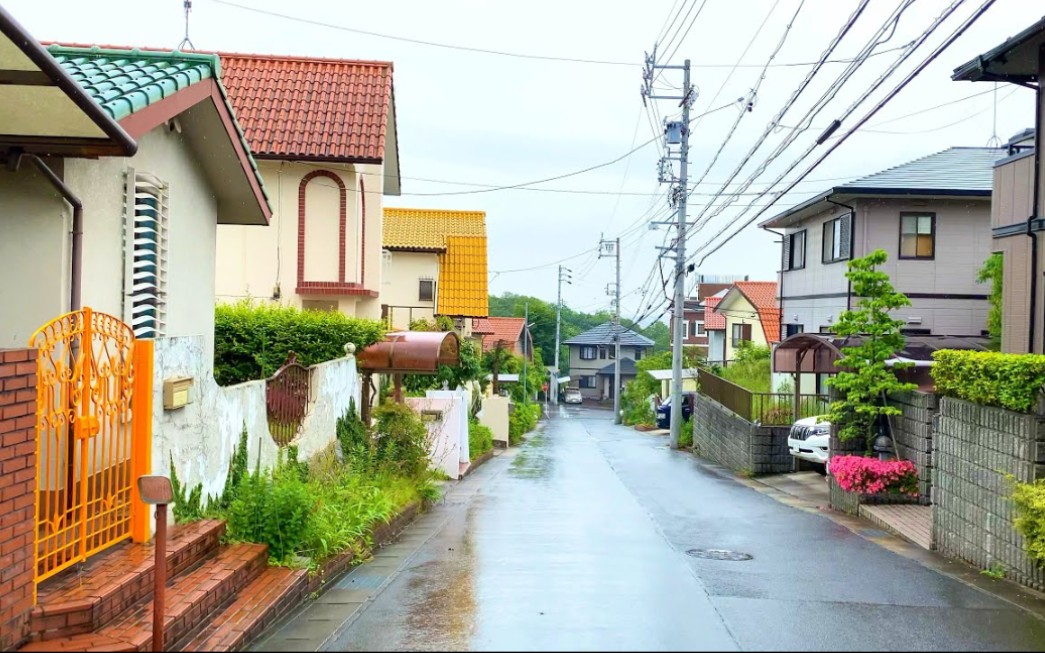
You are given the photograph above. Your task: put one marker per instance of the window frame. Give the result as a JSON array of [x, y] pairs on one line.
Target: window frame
[[733, 335], [431, 290], [932, 233], [836, 239], [685, 329], [698, 328], [791, 249], [787, 328], [588, 348]]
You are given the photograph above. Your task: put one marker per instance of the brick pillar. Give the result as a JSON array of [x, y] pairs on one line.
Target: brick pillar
[[17, 493]]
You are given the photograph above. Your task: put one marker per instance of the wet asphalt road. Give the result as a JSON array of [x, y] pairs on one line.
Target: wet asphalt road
[[576, 541]]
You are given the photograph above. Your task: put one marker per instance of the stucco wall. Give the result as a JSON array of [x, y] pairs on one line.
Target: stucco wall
[[740, 311], [444, 430], [202, 435], [34, 239], [400, 286], [495, 415], [253, 261]]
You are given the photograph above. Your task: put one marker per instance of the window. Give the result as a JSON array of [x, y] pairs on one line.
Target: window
[[827, 328], [685, 329], [918, 235], [698, 328], [837, 244], [587, 382], [425, 290], [602, 352], [792, 329], [145, 255], [741, 332], [795, 251], [638, 353], [588, 353]]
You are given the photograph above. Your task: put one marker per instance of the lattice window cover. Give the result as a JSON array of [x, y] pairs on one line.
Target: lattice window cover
[[146, 254]]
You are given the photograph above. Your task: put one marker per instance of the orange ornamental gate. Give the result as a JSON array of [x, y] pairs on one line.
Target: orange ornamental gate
[[93, 435]]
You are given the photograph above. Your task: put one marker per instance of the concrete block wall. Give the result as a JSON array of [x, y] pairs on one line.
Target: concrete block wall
[[913, 435], [17, 493], [975, 447], [723, 437]]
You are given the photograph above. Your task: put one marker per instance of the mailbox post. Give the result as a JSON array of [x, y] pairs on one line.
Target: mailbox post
[[157, 491]]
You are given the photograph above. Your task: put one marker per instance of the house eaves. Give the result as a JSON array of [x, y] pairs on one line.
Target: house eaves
[[1015, 61]]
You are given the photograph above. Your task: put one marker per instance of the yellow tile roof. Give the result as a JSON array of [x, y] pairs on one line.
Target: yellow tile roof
[[429, 228], [462, 277]]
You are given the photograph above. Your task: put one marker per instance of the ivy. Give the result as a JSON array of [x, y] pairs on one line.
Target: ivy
[[992, 272], [1012, 381], [864, 378]]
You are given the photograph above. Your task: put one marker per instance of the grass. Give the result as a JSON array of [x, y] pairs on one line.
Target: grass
[[753, 375]]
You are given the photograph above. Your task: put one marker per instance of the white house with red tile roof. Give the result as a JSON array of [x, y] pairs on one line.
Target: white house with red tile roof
[[751, 313], [324, 134], [509, 330], [715, 327]]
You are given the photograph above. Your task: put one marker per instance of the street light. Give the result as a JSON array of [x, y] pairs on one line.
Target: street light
[[526, 340]]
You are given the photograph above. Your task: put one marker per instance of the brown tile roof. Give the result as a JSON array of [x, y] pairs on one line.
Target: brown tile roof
[[508, 329], [712, 318], [762, 295], [311, 108]]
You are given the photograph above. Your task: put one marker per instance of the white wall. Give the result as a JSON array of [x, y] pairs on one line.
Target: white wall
[[444, 435], [401, 285], [495, 415], [203, 435]]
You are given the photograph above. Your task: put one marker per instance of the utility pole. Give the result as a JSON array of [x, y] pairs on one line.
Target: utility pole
[[612, 248], [564, 275], [526, 328], [675, 133]]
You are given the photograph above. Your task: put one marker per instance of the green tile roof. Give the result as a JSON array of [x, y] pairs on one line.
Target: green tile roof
[[126, 81]]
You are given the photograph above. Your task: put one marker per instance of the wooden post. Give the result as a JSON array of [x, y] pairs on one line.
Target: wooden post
[[398, 396], [159, 575], [141, 435], [364, 410]]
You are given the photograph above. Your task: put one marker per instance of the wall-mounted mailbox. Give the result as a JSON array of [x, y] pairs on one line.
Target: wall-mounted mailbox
[[176, 392]]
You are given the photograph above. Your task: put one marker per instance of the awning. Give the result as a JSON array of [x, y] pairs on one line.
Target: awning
[[43, 110], [816, 353], [666, 375], [411, 352], [504, 378]]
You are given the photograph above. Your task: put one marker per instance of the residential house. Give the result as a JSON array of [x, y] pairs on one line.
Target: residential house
[[143, 243], [593, 356], [1017, 219], [751, 314], [694, 321], [324, 134], [435, 264], [715, 326], [930, 215], [511, 331]]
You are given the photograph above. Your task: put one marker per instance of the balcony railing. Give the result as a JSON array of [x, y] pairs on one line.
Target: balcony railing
[[768, 408]]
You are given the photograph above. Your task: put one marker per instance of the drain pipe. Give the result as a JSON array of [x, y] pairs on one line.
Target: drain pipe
[[76, 271], [780, 304], [1035, 212]]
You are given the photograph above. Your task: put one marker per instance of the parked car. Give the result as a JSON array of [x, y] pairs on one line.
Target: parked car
[[664, 410], [808, 440], [573, 396]]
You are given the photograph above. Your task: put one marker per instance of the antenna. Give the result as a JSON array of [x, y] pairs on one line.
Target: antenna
[[994, 141], [186, 41]]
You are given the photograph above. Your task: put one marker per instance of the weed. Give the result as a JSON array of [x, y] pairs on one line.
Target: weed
[[995, 571]]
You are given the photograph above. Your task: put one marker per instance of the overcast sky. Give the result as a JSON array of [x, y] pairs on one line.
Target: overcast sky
[[479, 118]]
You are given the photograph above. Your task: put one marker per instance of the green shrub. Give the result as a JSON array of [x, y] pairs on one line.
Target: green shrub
[[352, 435], [1029, 499], [273, 509], [522, 420], [686, 433], [253, 341], [480, 439], [401, 441], [634, 399], [1012, 381], [187, 506]]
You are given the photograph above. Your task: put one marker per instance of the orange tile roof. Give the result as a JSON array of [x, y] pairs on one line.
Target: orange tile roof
[[762, 295], [508, 329], [428, 229], [462, 277], [311, 108], [712, 319]]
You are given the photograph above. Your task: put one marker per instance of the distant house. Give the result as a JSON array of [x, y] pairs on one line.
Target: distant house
[[930, 215], [1017, 223], [694, 320], [715, 326], [324, 133], [592, 358], [149, 217], [750, 312], [511, 331], [435, 264]]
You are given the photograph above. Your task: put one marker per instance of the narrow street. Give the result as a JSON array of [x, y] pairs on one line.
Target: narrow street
[[577, 540]]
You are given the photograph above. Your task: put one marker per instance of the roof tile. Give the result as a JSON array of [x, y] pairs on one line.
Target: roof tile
[[427, 229], [462, 277], [713, 319], [507, 329], [762, 295], [603, 335]]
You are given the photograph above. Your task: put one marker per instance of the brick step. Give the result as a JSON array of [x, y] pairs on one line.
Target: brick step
[[259, 605], [191, 599], [83, 600]]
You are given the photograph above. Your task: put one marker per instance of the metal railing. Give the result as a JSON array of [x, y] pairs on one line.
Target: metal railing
[[768, 408], [287, 393]]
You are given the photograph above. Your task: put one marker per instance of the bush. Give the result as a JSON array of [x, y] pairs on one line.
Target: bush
[[480, 439], [1029, 499], [634, 400], [522, 420], [272, 509], [872, 476], [686, 433], [352, 435], [253, 341], [401, 441], [1012, 381]]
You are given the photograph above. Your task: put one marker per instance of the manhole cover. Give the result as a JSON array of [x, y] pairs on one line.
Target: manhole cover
[[718, 554]]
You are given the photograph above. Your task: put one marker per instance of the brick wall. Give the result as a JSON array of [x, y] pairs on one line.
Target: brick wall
[[17, 492], [974, 448], [733, 442], [913, 435]]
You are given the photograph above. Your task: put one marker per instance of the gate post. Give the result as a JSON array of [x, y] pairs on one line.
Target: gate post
[[141, 437]]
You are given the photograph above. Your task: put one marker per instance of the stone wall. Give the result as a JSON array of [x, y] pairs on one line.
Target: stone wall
[[975, 447], [17, 493], [913, 436], [733, 442]]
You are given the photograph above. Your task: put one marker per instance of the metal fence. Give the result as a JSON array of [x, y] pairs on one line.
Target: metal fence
[[768, 408], [287, 393]]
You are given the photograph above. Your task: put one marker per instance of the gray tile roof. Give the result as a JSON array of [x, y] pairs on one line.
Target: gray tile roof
[[968, 170], [603, 335]]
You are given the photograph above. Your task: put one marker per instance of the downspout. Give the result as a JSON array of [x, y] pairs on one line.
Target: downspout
[[852, 233], [76, 266], [1035, 208], [780, 303]]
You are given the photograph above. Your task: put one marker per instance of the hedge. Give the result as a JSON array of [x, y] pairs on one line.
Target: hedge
[[522, 420], [253, 341], [1012, 381]]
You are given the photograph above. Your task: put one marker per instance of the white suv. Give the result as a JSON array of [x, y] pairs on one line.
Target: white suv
[[809, 439]]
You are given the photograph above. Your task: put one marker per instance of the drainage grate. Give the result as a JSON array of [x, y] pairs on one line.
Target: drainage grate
[[719, 554]]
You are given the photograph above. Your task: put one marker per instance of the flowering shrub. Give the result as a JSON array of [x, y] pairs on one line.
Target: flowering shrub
[[872, 476]]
